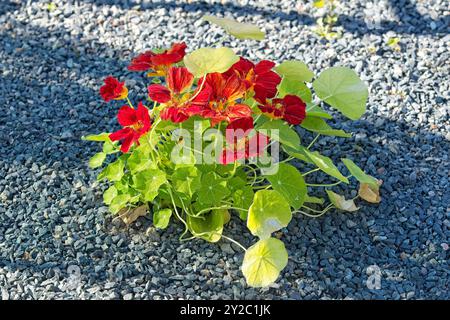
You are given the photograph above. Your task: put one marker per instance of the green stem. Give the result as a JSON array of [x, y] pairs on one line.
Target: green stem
[[129, 103], [321, 213], [326, 185], [177, 214], [310, 171], [199, 89], [314, 141], [287, 159], [197, 235], [262, 187], [218, 208], [255, 174]]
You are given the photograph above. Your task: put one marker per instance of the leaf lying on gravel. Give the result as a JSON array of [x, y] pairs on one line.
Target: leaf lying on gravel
[[129, 215], [237, 29], [264, 261], [341, 203], [369, 193]]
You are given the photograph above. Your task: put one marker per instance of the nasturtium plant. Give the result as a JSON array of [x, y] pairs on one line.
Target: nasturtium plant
[[219, 135]]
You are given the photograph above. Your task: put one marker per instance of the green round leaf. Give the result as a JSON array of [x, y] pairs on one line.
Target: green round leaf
[[289, 182], [140, 159], [264, 261], [186, 180], [114, 171], [208, 226], [342, 89], [237, 29], [97, 160], [161, 218], [268, 213], [213, 189], [295, 70], [148, 183], [208, 60]]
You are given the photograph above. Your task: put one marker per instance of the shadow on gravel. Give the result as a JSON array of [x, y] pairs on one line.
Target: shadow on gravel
[[410, 21], [8, 6]]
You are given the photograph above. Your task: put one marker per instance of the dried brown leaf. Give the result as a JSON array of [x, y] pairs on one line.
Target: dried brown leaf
[[129, 215], [369, 193]]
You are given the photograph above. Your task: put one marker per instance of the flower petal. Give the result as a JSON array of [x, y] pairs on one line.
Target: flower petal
[[143, 116], [126, 143], [159, 93], [120, 134], [179, 79], [295, 110], [237, 111], [171, 56], [142, 62], [174, 114], [126, 116]]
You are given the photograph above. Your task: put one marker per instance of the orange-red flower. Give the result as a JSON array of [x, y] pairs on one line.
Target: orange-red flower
[[176, 108], [158, 63], [258, 78], [179, 79], [136, 122], [222, 93], [290, 108], [113, 89]]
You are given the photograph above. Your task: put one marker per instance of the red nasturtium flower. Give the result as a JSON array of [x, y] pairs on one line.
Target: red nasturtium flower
[[113, 89], [158, 63], [176, 106], [136, 122], [290, 108], [258, 78], [222, 93]]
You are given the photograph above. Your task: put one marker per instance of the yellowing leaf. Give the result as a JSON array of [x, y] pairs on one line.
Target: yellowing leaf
[[129, 215], [208, 60], [369, 193], [340, 202], [226, 215], [104, 136], [268, 213], [237, 29], [161, 218], [97, 160], [208, 226], [263, 262]]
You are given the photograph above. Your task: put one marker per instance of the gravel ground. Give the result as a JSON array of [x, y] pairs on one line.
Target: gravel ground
[[56, 239]]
